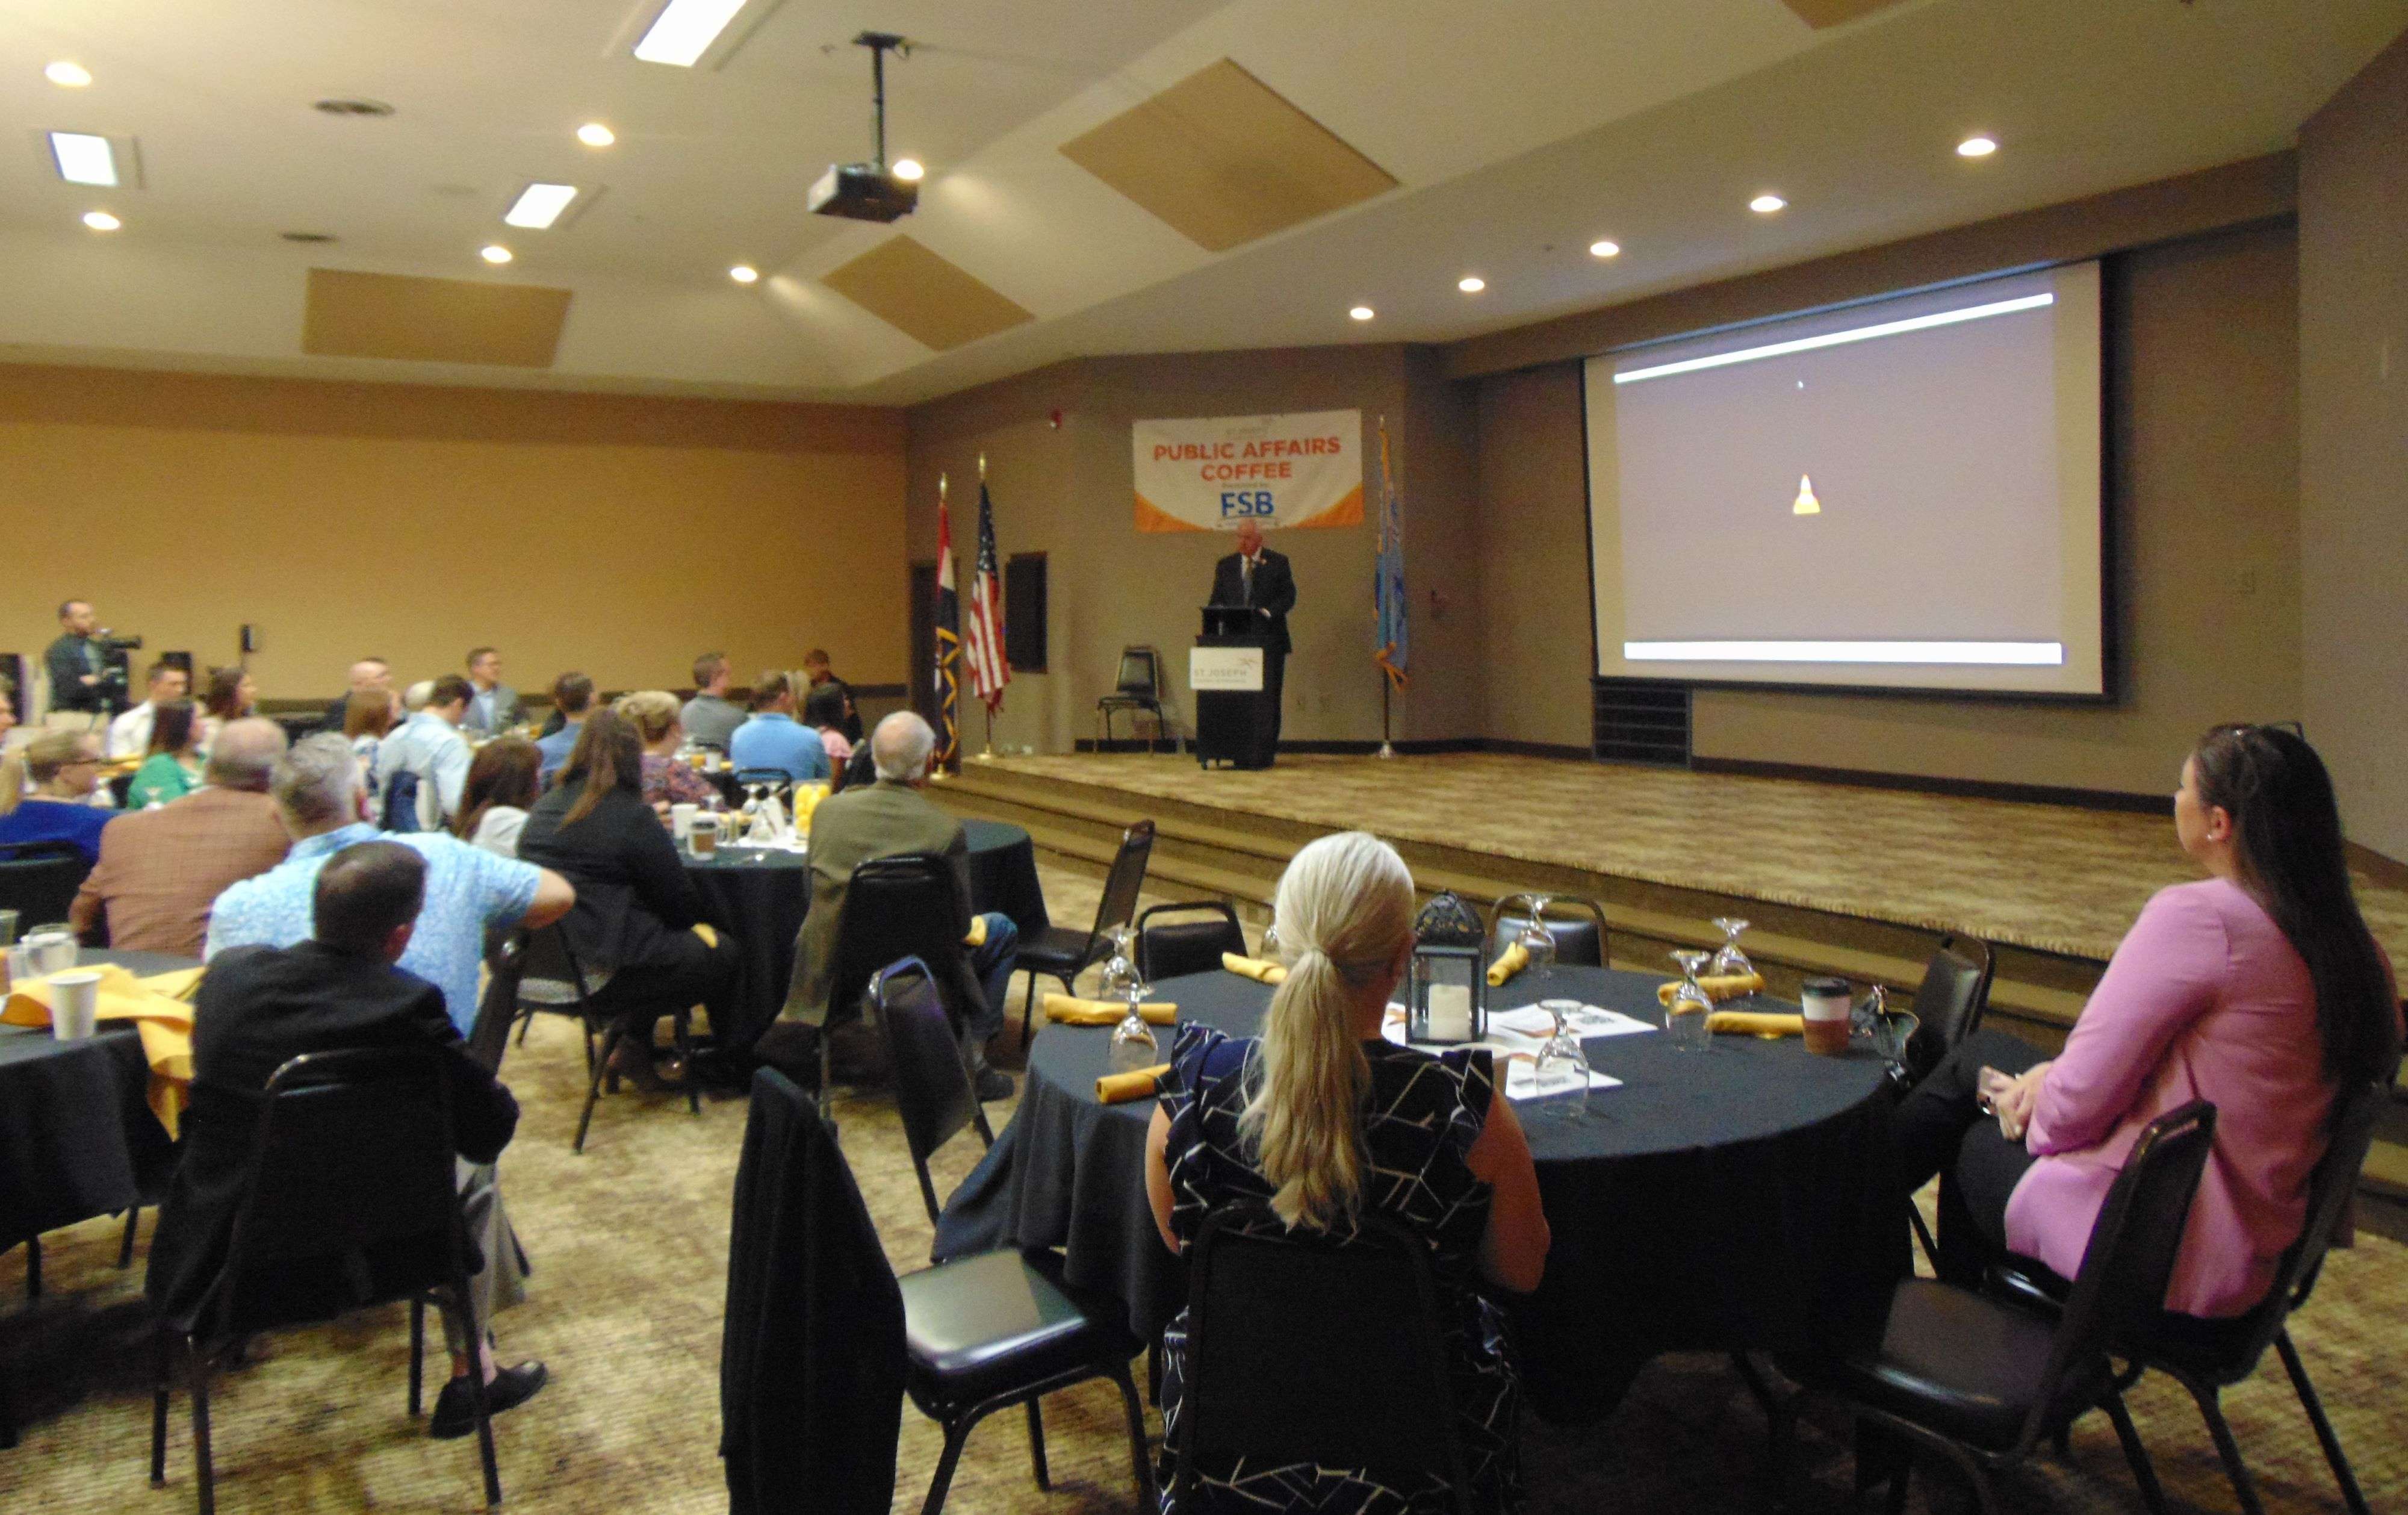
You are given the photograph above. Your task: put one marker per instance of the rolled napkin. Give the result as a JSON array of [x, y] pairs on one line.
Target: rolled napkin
[[1071, 1010], [1260, 970], [708, 932], [1120, 1089], [1756, 1023], [1508, 962], [978, 932], [1730, 986]]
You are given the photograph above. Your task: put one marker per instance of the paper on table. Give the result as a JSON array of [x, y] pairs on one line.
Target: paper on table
[[1588, 1020], [1512, 1052]]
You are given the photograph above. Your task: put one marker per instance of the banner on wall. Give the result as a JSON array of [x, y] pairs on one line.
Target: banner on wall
[[1215, 473]]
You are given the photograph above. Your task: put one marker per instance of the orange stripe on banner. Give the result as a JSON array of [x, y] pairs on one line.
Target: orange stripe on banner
[[1346, 512], [1152, 517]]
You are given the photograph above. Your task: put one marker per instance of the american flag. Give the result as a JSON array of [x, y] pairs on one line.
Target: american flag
[[983, 638]]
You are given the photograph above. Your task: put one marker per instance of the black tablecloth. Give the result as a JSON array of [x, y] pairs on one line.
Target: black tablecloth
[[758, 896], [76, 1137], [1735, 1198]]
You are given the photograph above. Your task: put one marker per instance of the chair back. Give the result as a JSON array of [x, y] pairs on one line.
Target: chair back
[[1169, 948], [504, 970], [1291, 1335], [39, 880], [550, 973], [764, 775], [1581, 940], [349, 1197], [399, 803], [897, 907], [1949, 1003], [1140, 674], [2130, 1258], [933, 1091], [1123, 884]]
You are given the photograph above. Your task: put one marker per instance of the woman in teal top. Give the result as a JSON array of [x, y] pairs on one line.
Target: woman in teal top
[[173, 769]]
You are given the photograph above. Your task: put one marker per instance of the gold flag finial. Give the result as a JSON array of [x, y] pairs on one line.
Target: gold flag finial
[[941, 489], [981, 467]]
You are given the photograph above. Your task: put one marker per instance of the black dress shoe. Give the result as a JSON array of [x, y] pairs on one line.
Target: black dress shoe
[[455, 1412], [992, 1086]]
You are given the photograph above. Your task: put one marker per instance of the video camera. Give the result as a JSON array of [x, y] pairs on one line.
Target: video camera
[[116, 685]]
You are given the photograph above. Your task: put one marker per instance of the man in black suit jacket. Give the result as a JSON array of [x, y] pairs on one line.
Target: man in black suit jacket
[[260, 1007], [1255, 576]]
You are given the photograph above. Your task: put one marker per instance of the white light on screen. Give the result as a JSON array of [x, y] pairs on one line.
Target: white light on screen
[[539, 205], [1838, 338], [1999, 654], [85, 159], [685, 30]]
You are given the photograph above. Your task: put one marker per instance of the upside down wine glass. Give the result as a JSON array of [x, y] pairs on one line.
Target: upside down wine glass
[[1133, 1043], [1562, 1068], [1686, 1017], [1730, 962], [1538, 943]]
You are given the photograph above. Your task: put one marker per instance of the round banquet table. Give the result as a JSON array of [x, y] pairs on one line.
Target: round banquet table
[[77, 1139], [1735, 1200], [758, 896]]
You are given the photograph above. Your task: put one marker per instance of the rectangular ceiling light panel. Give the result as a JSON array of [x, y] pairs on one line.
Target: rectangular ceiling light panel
[[414, 320], [1225, 159], [85, 159], [685, 30], [924, 297], [539, 205]]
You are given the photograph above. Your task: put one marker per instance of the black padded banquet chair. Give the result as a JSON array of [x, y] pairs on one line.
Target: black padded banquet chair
[[552, 980], [39, 880], [933, 1092], [1949, 1005], [897, 907], [1059, 952], [348, 1202], [1984, 1380], [1188, 937], [1289, 1334], [1138, 687], [1581, 939]]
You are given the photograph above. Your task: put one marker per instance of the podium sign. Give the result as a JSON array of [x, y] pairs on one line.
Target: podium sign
[[1234, 669]]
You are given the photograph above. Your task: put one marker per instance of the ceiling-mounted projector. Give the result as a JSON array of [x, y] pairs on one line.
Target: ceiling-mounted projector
[[870, 191]]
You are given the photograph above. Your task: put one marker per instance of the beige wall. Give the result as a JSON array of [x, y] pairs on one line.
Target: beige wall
[[619, 536], [2354, 443], [1534, 555]]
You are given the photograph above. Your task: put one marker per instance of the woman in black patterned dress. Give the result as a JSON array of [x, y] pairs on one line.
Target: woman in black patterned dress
[[1322, 1119]]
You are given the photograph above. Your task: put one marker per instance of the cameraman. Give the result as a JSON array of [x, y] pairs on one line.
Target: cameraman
[[77, 661]]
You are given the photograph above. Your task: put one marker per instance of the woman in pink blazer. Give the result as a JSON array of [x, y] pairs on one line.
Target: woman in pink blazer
[[2258, 988]]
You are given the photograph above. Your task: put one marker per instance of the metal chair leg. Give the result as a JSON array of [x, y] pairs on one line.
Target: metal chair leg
[[1028, 1016], [2315, 1408], [417, 1355], [126, 1248], [1139, 1461], [33, 1268], [1037, 1445], [2244, 1487], [594, 1088], [2143, 1472], [163, 1363], [206, 1470], [682, 1029], [955, 1434]]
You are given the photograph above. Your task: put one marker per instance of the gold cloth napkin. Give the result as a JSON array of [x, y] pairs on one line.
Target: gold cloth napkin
[[977, 936], [1257, 969], [1729, 987], [160, 1016], [708, 932], [1508, 962], [1120, 1089], [1071, 1010], [1756, 1023]]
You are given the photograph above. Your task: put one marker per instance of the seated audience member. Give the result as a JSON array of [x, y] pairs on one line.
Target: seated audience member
[[816, 670], [232, 695], [368, 718], [7, 709], [415, 698], [173, 766], [2258, 987], [636, 908], [431, 750], [653, 713], [129, 735], [368, 676], [338, 989], [772, 739], [883, 820], [825, 710], [710, 717], [45, 788], [1315, 1116], [317, 793], [160, 870], [502, 788], [573, 694], [492, 705]]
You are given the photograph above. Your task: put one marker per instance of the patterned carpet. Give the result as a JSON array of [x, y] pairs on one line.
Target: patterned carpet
[[2045, 876], [630, 1249]]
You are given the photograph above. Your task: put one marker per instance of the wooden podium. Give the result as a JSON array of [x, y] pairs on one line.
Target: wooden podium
[[1235, 717]]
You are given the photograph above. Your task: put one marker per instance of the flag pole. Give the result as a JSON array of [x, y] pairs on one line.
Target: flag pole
[[1386, 749], [987, 756]]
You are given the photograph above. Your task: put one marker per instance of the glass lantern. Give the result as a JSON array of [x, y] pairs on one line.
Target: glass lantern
[[1446, 988]]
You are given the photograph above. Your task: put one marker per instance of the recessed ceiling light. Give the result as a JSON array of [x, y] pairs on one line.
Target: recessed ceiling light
[[744, 273], [1362, 312], [1605, 250], [496, 253], [539, 206], [910, 170], [85, 159], [1765, 205], [68, 76], [684, 31], [1471, 283], [594, 134], [1976, 147], [100, 221]]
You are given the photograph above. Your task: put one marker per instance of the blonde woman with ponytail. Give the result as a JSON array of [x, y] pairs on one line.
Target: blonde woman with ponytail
[[1317, 1117], [45, 789]]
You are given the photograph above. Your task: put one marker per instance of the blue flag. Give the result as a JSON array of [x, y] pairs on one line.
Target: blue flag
[[1393, 639]]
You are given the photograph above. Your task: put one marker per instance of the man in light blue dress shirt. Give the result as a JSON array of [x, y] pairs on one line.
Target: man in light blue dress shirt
[[573, 694], [773, 738]]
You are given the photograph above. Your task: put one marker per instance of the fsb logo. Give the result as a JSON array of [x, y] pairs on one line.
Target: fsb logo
[[1242, 502]]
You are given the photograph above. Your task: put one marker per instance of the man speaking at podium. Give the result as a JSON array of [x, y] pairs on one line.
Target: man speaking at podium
[[1257, 578]]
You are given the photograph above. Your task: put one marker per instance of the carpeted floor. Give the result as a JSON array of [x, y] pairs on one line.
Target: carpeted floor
[[630, 1249]]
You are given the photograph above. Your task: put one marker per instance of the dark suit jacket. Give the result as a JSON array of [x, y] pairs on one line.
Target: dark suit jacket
[[258, 1009], [68, 659], [632, 892], [883, 820], [1273, 592]]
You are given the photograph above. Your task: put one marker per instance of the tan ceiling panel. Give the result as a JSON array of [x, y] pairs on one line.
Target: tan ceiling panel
[[1821, 13], [923, 296], [417, 320], [1225, 159]]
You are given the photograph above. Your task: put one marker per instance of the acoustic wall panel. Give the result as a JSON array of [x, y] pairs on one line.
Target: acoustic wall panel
[[922, 295]]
